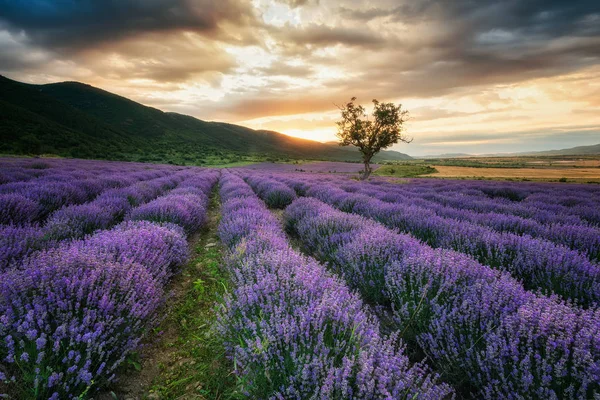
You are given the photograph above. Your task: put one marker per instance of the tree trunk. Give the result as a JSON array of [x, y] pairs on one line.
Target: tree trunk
[[367, 171]]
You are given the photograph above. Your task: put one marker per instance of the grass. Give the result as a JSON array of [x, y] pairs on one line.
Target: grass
[[197, 367], [233, 164], [201, 370], [404, 170]]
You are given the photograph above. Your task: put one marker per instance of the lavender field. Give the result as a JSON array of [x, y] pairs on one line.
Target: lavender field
[[336, 288]]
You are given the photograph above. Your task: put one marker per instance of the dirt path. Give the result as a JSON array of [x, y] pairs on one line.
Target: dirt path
[[185, 358]]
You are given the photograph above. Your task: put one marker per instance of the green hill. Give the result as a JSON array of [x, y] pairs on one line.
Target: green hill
[[77, 120], [572, 151]]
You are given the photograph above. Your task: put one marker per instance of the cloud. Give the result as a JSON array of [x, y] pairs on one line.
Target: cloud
[[75, 25], [460, 65], [15, 56], [297, 3], [281, 68], [321, 35], [160, 57], [488, 37]]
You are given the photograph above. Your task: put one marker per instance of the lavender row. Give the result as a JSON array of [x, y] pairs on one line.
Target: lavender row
[[537, 263], [566, 195], [462, 195], [479, 327], [107, 209], [560, 228], [185, 206], [546, 203], [65, 170], [24, 203], [275, 194], [583, 238], [16, 242], [71, 315], [294, 330], [537, 206]]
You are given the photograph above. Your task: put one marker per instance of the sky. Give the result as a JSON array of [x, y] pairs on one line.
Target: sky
[[477, 77]]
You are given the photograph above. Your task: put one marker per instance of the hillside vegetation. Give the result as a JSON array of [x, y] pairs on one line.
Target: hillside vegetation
[[76, 120]]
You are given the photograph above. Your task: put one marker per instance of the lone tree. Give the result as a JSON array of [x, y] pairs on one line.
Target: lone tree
[[371, 136]]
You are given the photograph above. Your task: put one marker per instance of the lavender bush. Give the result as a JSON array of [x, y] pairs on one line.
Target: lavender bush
[[538, 264], [461, 314], [67, 324], [294, 330], [569, 231], [161, 249], [16, 209], [186, 208], [17, 242], [72, 311], [275, 194]]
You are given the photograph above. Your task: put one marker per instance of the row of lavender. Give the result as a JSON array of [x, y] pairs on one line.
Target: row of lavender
[[580, 201], [25, 201], [75, 221], [479, 327], [538, 215], [294, 330], [555, 225], [71, 314], [539, 264], [56, 169]]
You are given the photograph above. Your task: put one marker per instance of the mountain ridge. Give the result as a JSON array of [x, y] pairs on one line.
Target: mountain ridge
[[79, 120]]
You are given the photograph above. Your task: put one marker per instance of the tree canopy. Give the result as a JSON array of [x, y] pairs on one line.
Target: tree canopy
[[370, 134]]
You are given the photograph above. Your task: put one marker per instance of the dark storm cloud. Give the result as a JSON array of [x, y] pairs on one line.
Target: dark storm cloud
[[492, 21], [491, 30], [76, 24], [159, 40], [14, 56], [550, 17]]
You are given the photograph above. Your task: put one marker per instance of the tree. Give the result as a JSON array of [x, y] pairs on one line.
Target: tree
[[370, 136], [30, 144]]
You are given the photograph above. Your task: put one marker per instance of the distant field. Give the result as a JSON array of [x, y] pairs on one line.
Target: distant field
[[587, 174], [572, 170], [405, 170], [583, 169], [332, 167], [586, 161]]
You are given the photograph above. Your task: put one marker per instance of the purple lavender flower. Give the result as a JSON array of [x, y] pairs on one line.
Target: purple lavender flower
[[457, 311], [16, 209], [294, 330], [275, 194], [96, 310], [187, 211]]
